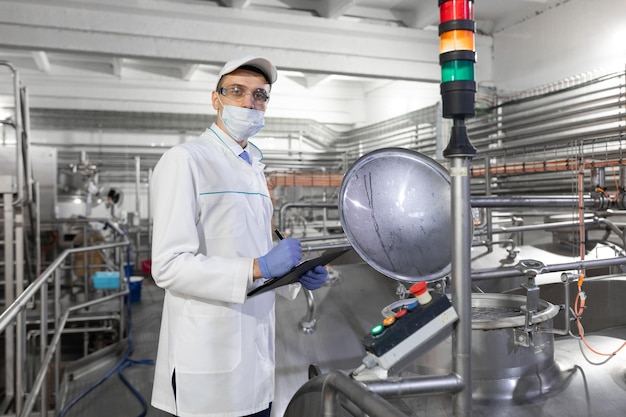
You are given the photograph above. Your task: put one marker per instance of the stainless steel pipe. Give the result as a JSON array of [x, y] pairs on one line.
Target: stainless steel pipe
[[556, 201], [336, 383], [483, 274], [416, 386], [461, 282]]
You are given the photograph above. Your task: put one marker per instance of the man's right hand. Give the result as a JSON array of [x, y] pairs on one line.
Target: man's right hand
[[281, 259]]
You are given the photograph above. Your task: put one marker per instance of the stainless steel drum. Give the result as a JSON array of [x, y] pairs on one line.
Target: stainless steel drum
[[504, 368], [394, 206]]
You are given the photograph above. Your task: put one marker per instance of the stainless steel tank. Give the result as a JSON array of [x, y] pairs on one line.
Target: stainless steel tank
[[510, 362], [395, 208]]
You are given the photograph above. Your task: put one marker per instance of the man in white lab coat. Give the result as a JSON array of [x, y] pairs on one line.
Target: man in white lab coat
[[212, 243]]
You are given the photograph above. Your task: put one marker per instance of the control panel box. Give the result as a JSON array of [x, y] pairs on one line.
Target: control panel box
[[412, 328]]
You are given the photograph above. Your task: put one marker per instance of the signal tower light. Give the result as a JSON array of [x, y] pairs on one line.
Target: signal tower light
[[457, 56]]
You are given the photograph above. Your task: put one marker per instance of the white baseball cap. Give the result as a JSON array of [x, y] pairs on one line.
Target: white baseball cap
[[262, 64]]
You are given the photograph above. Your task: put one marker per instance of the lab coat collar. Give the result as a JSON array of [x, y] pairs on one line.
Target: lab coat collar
[[254, 152]]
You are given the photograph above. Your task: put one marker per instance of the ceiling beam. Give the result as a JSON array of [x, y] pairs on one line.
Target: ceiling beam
[[188, 70], [332, 9], [41, 60], [237, 4], [420, 16], [191, 34], [117, 64]]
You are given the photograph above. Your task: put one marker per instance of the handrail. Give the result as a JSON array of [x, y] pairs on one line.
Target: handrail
[[41, 375], [14, 314], [21, 301]]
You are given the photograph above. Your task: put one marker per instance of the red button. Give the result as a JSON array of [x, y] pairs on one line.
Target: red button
[[400, 313], [418, 289]]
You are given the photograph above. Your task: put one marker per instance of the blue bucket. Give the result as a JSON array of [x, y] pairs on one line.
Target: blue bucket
[[134, 288], [129, 269]]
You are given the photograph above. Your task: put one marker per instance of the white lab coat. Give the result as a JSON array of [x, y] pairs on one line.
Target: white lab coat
[[212, 217]]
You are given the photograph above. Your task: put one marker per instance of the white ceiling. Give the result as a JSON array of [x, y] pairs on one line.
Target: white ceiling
[[163, 55]]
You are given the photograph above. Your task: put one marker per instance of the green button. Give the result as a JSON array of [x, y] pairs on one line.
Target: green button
[[378, 329]]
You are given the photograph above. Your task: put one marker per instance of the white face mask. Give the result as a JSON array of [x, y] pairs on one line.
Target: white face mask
[[241, 122]]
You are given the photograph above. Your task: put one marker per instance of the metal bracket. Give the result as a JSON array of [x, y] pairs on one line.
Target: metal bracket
[[532, 303], [8, 184], [531, 268], [523, 337]]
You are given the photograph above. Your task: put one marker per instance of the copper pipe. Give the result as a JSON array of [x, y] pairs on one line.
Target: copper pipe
[[556, 165], [581, 213], [304, 179]]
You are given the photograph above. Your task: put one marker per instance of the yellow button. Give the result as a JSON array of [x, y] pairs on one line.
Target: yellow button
[[389, 321]]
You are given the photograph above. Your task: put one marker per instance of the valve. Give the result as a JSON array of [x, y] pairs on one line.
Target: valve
[[531, 268]]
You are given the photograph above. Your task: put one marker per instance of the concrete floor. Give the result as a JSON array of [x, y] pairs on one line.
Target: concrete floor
[[345, 312], [112, 397], [335, 344]]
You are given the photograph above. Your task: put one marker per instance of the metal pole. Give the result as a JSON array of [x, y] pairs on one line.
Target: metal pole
[[137, 216], [9, 297], [461, 282], [121, 300], [149, 213], [28, 164], [20, 326], [37, 228], [57, 353], [488, 210], [307, 323], [43, 340]]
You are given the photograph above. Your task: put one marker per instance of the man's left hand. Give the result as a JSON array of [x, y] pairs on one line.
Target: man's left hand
[[314, 278]]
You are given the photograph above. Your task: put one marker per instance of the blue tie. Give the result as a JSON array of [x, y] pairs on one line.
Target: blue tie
[[244, 155]]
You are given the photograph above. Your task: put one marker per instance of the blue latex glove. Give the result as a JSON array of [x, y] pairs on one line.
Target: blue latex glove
[[278, 261], [314, 278]]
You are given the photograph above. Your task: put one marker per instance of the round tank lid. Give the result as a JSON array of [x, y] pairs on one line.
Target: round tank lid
[[395, 208]]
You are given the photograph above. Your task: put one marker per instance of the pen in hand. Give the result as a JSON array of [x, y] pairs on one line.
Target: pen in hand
[[278, 234]]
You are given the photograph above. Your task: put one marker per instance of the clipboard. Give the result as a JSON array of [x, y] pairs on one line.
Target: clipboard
[[293, 275]]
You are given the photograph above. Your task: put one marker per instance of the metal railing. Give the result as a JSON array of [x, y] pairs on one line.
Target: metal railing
[[14, 317]]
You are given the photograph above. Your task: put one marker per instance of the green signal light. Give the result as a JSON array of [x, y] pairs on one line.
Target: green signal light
[[378, 329], [460, 70]]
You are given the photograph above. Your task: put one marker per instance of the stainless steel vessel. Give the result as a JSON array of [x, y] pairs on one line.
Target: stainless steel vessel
[[510, 361]]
